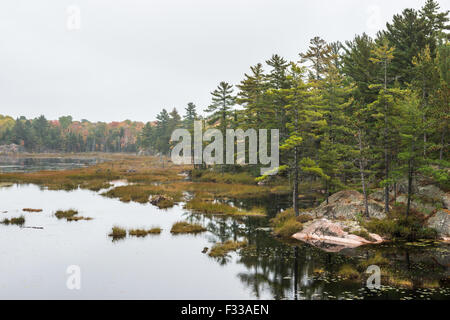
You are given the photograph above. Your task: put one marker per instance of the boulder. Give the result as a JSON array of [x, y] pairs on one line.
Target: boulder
[[440, 221], [157, 199], [334, 235], [420, 206], [347, 204]]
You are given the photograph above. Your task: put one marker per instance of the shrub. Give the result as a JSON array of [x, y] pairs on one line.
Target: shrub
[[285, 224]]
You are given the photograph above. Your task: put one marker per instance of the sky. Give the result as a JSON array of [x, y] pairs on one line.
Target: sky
[[106, 60]]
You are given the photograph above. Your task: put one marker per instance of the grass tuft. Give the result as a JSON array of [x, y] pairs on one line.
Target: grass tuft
[[118, 233], [223, 248], [185, 227], [144, 232], [17, 221]]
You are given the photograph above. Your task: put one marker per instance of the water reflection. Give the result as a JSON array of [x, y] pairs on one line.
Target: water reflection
[[34, 261], [17, 164]]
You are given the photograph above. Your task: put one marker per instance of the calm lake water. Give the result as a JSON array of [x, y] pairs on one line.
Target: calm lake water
[[13, 164], [34, 261]]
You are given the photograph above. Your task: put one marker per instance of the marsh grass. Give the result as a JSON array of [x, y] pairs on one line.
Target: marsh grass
[[77, 218], [70, 215], [141, 193], [16, 221], [349, 272], [144, 232], [377, 260], [186, 227], [207, 207], [219, 177], [363, 234], [285, 224], [60, 214], [31, 210], [118, 233], [223, 248], [97, 177]]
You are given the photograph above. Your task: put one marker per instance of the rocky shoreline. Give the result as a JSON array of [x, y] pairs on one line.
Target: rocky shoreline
[[336, 224]]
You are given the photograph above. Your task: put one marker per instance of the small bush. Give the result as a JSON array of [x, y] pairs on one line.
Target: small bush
[[285, 224], [398, 226]]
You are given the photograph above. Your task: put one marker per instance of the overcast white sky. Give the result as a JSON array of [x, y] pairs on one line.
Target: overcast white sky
[[131, 58]]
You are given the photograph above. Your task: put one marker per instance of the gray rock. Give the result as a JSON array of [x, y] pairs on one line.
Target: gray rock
[[440, 221], [347, 204], [422, 207]]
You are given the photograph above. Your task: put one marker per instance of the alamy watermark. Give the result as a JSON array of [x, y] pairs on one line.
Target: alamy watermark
[[374, 280], [214, 153], [74, 279]]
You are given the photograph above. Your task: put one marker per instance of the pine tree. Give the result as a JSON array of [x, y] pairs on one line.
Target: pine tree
[[221, 106]]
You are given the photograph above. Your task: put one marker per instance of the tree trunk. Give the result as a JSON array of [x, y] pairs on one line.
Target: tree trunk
[[361, 170], [295, 192], [410, 178], [386, 156]]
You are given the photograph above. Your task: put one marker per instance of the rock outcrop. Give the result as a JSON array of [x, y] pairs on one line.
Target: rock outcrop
[[347, 204], [440, 221], [334, 236]]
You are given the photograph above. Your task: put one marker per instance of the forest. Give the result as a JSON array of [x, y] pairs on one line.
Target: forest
[[364, 111]]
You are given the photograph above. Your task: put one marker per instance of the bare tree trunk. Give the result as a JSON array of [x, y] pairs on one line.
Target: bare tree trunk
[[361, 170], [295, 191], [410, 178]]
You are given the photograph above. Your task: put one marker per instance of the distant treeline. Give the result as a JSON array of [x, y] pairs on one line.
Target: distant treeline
[[66, 135]]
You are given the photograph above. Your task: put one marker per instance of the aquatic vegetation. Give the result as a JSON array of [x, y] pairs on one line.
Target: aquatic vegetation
[[144, 232], [118, 233], [225, 177], [97, 177], [78, 218], [363, 234], [70, 215], [95, 185], [31, 210], [17, 221], [60, 214], [285, 224], [349, 272], [141, 193], [223, 248], [6, 184], [206, 207], [377, 260], [185, 227]]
